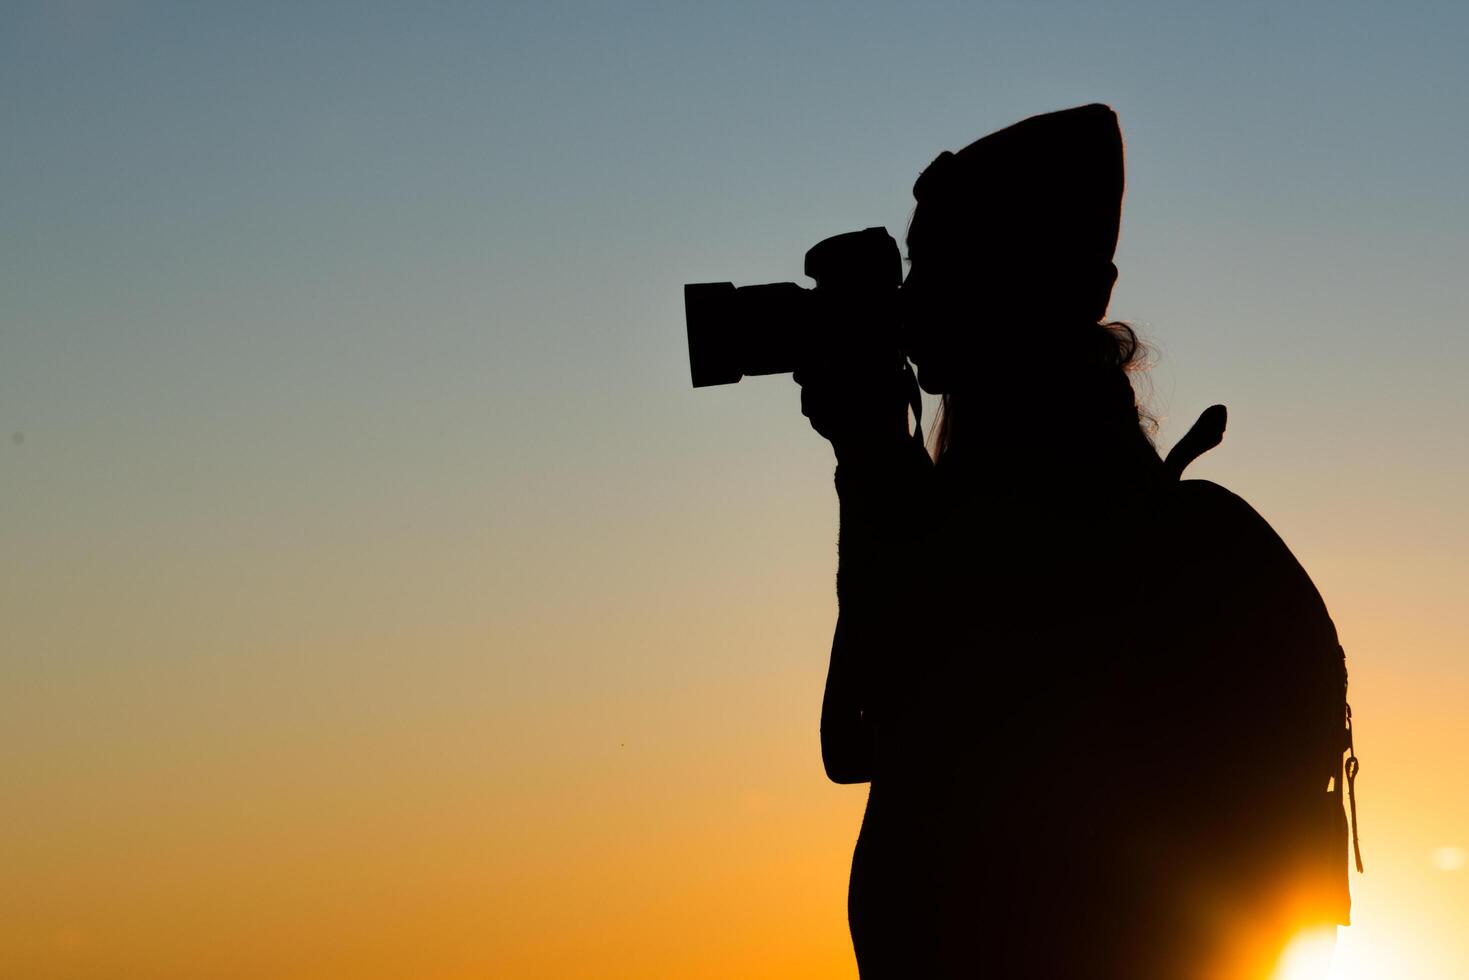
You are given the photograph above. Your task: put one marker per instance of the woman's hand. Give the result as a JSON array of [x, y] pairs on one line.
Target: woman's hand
[[859, 405]]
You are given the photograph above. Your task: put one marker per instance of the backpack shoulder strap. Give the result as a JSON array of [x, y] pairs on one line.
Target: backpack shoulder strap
[[1202, 436]]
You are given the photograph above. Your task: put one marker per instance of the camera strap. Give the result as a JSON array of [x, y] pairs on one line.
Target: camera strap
[[915, 402]]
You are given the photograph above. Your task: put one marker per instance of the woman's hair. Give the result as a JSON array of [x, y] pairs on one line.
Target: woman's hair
[[1092, 364]]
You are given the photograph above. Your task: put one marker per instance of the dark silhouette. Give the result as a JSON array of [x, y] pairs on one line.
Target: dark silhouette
[[1101, 709]]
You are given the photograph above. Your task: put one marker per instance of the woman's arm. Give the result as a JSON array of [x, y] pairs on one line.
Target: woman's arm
[[859, 401], [881, 494]]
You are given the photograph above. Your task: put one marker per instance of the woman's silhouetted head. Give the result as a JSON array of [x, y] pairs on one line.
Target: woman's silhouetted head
[[1010, 271]]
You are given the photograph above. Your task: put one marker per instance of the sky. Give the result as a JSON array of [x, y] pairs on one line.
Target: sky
[[377, 597]]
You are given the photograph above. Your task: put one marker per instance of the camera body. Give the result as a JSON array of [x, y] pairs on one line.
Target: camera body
[[780, 327]]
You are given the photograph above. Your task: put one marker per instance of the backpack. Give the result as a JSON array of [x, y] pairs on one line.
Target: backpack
[[1316, 844]]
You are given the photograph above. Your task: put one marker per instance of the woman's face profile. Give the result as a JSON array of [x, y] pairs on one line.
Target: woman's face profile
[[940, 301], [923, 336]]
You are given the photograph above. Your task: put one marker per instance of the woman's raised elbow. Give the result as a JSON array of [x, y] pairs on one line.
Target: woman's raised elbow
[[846, 773], [847, 760]]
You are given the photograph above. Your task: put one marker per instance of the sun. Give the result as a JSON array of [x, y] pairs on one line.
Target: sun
[[1308, 957]]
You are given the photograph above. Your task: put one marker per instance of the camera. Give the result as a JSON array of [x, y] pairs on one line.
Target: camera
[[780, 327]]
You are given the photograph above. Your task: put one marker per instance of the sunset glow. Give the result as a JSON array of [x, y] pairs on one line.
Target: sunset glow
[[1308, 957]]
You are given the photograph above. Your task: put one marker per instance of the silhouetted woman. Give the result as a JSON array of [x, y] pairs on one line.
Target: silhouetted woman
[[1100, 709]]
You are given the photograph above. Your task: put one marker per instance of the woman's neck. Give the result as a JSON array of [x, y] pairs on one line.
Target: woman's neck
[[1060, 447]]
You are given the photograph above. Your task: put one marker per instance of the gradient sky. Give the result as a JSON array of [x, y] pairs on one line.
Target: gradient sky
[[377, 599]]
